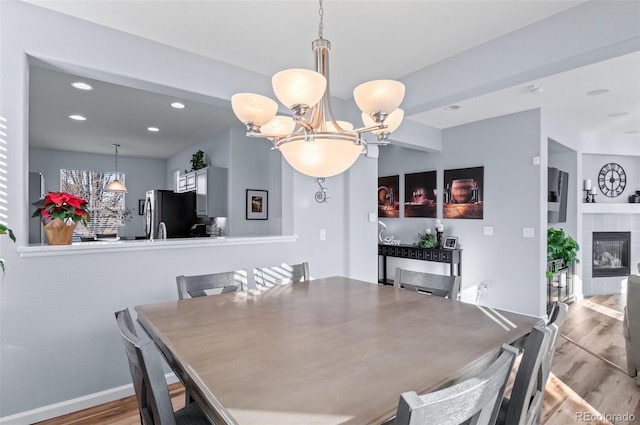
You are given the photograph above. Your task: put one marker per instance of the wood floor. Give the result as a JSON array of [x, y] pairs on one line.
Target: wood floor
[[587, 384]]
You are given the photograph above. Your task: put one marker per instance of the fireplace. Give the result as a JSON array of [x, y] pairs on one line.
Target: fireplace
[[611, 254]]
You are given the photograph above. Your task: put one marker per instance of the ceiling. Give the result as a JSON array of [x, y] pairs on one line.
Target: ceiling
[[246, 33]]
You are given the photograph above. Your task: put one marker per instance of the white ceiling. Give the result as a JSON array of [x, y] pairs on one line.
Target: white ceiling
[[366, 41]]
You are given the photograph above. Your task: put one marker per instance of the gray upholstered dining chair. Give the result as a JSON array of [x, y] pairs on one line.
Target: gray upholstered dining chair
[[477, 398], [281, 275], [428, 283], [198, 285], [152, 394], [524, 406], [631, 326]]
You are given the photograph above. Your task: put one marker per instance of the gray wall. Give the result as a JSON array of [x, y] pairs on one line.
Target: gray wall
[[58, 333], [510, 263], [140, 175]]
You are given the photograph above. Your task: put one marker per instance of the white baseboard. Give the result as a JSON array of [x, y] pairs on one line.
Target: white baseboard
[[74, 405]]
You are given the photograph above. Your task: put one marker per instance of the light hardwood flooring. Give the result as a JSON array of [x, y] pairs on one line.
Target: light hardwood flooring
[[586, 383]]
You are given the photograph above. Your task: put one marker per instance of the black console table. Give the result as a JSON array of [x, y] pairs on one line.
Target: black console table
[[453, 257]]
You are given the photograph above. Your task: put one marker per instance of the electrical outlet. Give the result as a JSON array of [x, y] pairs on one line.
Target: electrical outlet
[[488, 230], [527, 232]]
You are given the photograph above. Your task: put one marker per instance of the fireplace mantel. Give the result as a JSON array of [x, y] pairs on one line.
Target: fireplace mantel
[[608, 208]]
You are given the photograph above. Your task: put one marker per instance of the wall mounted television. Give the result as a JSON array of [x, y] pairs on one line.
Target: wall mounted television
[[558, 186]]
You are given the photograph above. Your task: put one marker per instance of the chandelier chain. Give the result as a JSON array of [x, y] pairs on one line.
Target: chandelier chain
[[321, 24]]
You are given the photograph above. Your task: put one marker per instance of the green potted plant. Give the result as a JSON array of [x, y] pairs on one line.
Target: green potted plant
[[427, 240], [561, 250], [4, 229], [197, 161]]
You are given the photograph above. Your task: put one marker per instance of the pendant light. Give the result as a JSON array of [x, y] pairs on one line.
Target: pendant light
[[116, 186], [312, 140]]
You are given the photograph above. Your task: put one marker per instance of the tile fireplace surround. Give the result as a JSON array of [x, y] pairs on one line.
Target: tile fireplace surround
[[608, 222]]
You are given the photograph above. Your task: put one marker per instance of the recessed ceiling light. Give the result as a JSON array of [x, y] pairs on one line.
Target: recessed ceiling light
[[632, 132], [452, 108], [77, 117], [597, 92], [153, 129], [177, 105], [618, 114], [81, 86]]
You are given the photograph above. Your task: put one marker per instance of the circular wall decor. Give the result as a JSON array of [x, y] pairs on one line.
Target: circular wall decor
[[612, 180]]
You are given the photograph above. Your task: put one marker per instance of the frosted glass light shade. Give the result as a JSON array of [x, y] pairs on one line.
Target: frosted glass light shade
[[298, 87], [345, 125], [279, 126], [321, 157], [379, 96], [116, 186], [254, 108], [393, 121]]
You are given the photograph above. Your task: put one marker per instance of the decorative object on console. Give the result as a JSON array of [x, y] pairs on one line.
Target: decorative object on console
[[612, 180], [197, 161], [427, 240], [387, 240], [321, 195], [450, 242], [116, 185], [464, 193], [257, 204], [439, 233], [313, 141], [420, 194], [60, 211], [388, 200]]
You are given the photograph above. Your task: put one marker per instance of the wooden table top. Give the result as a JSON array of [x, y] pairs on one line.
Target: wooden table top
[[328, 351]]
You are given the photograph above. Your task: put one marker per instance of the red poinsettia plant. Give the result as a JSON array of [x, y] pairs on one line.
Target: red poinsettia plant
[[62, 205]]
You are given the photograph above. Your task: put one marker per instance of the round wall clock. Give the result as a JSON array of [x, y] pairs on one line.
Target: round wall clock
[[612, 180]]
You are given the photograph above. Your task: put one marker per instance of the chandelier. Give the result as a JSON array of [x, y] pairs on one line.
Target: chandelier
[[312, 140]]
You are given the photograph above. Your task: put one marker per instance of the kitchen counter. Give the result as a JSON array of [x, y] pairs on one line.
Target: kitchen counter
[[43, 250]]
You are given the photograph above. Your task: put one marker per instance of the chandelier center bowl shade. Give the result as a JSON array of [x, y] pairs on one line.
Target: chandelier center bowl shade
[[116, 186], [311, 140]]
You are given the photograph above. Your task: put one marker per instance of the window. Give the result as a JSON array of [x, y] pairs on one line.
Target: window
[[106, 208]]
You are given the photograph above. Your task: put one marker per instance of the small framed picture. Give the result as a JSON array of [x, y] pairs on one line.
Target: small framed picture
[[140, 206], [450, 242], [257, 204]]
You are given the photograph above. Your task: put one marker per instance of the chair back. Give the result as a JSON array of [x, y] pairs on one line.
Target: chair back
[[429, 283], [477, 398], [525, 404], [197, 285], [147, 374], [557, 316], [282, 274], [631, 326]]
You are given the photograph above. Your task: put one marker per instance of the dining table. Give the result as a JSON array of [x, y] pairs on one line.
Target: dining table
[[326, 351]]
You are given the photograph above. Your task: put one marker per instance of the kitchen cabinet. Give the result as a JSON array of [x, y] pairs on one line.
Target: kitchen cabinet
[[187, 182], [210, 185]]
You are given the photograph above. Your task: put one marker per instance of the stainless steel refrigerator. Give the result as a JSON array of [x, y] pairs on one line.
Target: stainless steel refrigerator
[[169, 214]]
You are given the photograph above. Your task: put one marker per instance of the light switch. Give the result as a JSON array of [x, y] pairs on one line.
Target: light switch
[[373, 217], [488, 230], [536, 160], [323, 234], [527, 232]]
